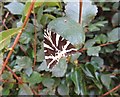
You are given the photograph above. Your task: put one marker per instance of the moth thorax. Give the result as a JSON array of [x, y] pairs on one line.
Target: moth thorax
[[60, 54]]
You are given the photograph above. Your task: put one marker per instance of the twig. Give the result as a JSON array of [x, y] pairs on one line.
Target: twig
[[101, 45], [109, 43], [35, 41], [23, 50], [4, 20], [16, 41], [80, 12], [19, 80], [107, 93], [7, 81]]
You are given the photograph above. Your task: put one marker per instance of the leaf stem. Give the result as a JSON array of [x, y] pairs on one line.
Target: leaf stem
[[107, 93]]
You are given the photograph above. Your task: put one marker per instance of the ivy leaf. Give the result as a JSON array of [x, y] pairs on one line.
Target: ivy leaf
[[93, 51], [48, 82], [106, 80], [101, 39], [25, 90], [63, 89], [74, 57], [43, 66], [25, 38], [116, 19], [118, 46], [40, 55], [60, 69], [22, 63], [15, 8], [89, 43], [98, 60], [96, 26], [114, 35], [29, 71], [34, 78], [7, 86], [47, 91]]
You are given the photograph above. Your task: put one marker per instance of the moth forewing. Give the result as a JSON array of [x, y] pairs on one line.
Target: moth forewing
[[56, 47]]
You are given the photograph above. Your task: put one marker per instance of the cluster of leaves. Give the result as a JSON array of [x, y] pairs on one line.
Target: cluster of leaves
[[92, 72]]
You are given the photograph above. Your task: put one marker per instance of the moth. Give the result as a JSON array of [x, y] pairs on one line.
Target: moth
[[56, 47]]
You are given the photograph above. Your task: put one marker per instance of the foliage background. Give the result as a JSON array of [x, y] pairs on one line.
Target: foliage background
[[93, 71]]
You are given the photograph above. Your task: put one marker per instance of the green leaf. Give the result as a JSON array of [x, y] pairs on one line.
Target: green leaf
[[74, 57], [88, 16], [29, 71], [114, 35], [29, 29], [26, 8], [8, 86], [93, 51], [118, 46], [89, 70], [25, 38], [15, 8], [98, 60], [96, 26], [63, 89], [24, 62], [48, 92], [106, 80], [109, 48], [6, 35], [115, 6], [43, 66], [5, 91], [25, 90], [48, 82], [72, 12], [116, 19], [38, 3], [50, 9], [101, 39], [60, 69], [49, 16], [75, 77], [89, 43], [68, 28], [35, 78], [52, 4], [40, 55], [44, 20], [39, 14]]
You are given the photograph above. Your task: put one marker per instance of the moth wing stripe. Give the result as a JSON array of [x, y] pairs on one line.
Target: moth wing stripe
[[50, 63], [49, 38], [66, 45], [45, 50], [47, 46], [57, 39], [71, 50]]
